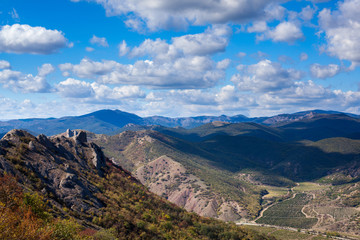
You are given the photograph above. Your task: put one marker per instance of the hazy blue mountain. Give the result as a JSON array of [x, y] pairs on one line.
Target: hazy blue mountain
[[116, 121], [191, 122], [320, 127], [103, 121]]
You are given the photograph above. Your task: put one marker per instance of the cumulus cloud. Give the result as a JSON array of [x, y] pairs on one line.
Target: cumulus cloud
[[89, 49], [100, 41], [187, 72], [265, 76], [94, 92], [327, 71], [4, 64], [307, 13], [285, 32], [89, 69], [184, 63], [227, 94], [26, 39], [342, 31], [275, 12], [223, 64], [73, 88], [26, 83], [180, 14], [154, 48], [215, 39]]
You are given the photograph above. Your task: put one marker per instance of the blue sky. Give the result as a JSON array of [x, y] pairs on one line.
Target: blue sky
[[178, 58]]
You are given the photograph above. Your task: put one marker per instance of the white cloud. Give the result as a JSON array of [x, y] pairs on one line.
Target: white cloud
[[18, 81], [342, 31], [90, 69], [185, 63], [96, 93], [227, 94], [73, 88], [123, 48], [213, 40], [265, 76], [307, 13], [223, 64], [4, 64], [259, 26], [26, 39], [89, 49], [285, 32], [321, 71], [180, 14], [14, 109], [187, 72], [104, 93], [152, 48], [304, 56], [100, 41], [275, 11], [45, 70]]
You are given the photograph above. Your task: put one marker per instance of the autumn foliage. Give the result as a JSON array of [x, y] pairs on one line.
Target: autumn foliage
[[17, 221]]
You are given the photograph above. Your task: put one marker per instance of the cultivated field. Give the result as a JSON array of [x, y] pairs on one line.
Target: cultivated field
[[288, 213], [308, 187], [275, 191], [283, 234]]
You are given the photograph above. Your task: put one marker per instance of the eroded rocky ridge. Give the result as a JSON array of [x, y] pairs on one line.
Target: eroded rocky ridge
[[170, 179], [53, 166], [144, 154]]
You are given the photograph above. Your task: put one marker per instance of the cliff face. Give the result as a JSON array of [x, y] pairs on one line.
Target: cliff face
[[54, 166]]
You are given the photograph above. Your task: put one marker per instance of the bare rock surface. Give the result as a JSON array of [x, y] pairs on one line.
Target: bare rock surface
[[170, 179], [56, 161]]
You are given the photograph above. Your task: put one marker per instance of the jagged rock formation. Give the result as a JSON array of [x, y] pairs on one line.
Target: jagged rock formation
[[53, 164]]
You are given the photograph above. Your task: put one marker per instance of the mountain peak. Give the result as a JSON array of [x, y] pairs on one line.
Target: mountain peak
[[16, 134]]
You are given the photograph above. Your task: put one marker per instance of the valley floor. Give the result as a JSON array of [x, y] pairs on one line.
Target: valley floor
[[306, 212]]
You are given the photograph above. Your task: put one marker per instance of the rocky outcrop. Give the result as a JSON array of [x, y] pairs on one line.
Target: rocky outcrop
[[56, 166]]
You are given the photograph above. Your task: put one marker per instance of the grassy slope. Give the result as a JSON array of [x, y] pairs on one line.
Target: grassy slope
[[129, 152]]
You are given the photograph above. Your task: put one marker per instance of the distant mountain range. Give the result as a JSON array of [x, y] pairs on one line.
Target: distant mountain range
[[116, 121]]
